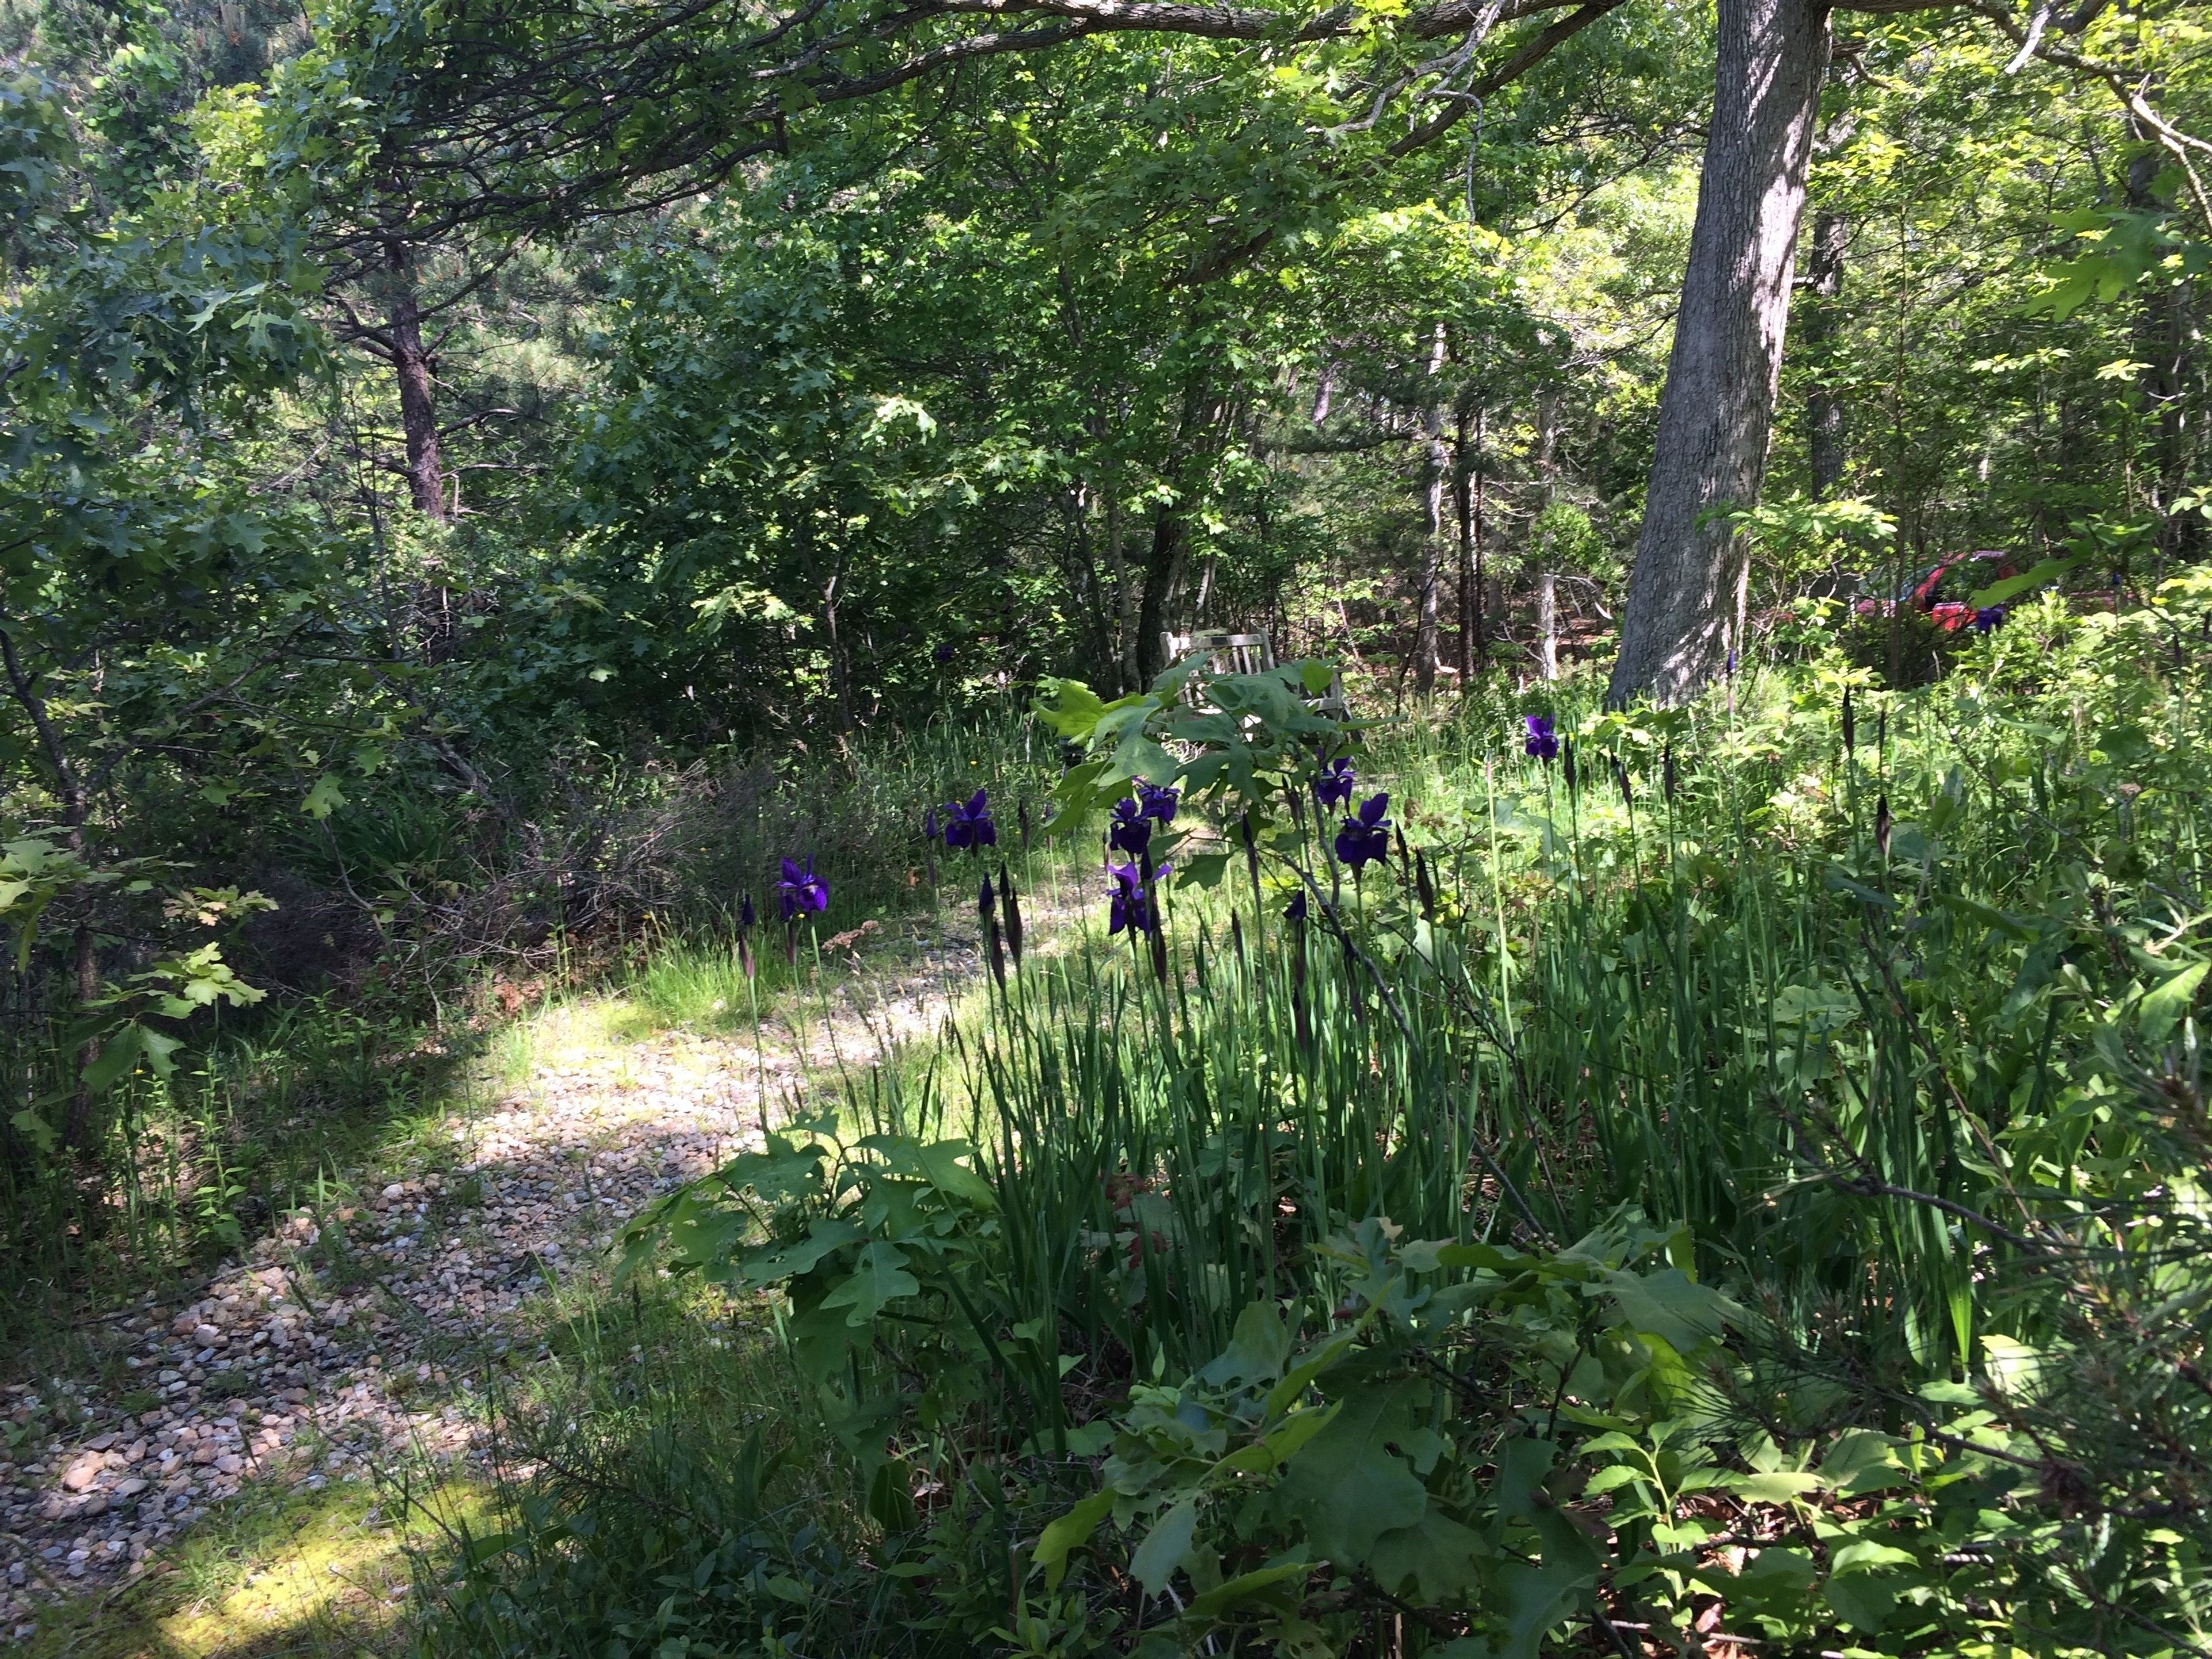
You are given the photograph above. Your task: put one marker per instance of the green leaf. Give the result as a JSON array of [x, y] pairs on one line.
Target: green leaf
[[1202, 870], [1864, 1555], [325, 797], [1669, 1304], [1247, 1587], [1434, 1558], [772, 1264], [35, 1129], [1258, 1349], [1069, 707], [1071, 1531], [2041, 575], [1863, 1600], [1537, 1597], [2164, 1006], [1346, 1487], [879, 1276], [1862, 1460], [1164, 1547], [1778, 1488], [782, 1171]]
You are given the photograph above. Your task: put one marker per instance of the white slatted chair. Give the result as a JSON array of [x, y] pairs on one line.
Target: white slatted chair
[[1242, 653]]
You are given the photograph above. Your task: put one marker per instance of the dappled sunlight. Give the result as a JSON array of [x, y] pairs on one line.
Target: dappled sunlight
[[326, 1572]]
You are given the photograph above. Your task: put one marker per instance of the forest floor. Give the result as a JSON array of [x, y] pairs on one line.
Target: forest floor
[[226, 1486]]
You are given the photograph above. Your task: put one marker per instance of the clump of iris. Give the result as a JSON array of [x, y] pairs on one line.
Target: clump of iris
[[1989, 618], [1129, 825], [967, 825], [1129, 907], [1539, 740], [1332, 785], [801, 892], [1365, 837]]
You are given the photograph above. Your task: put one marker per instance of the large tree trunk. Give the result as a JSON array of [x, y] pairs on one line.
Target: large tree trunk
[[1163, 575], [419, 393], [1717, 410], [1824, 408]]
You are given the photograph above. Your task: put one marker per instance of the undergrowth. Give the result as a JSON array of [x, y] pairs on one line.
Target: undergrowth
[[1731, 1180]]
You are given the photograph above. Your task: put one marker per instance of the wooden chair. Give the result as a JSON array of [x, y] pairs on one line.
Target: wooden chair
[[1227, 652], [1242, 653]]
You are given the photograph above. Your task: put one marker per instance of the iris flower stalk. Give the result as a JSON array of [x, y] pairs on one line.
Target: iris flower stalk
[[799, 892]]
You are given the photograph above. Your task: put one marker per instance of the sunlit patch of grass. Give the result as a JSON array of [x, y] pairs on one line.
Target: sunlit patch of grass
[[319, 1573]]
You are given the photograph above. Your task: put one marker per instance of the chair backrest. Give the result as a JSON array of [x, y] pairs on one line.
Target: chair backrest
[[1243, 653], [1227, 652]]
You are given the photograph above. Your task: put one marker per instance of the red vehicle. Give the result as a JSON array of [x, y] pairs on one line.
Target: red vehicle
[[1942, 591]]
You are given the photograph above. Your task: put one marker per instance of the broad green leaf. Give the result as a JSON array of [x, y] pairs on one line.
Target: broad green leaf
[[2041, 575], [1258, 1349], [772, 1264], [2164, 1006], [879, 1276], [1247, 1587], [1435, 1559], [325, 797], [1865, 1555], [1346, 1487], [1776, 1488], [1203, 870], [1070, 1532], [1863, 1600], [1157, 1558], [1670, 1305]]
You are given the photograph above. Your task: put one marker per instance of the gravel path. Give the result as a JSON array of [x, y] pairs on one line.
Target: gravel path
[[303, 1364]]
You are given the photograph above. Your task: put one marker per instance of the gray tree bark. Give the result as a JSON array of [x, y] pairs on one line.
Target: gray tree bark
[[418, 388], [1436, 468], [1717, 412]]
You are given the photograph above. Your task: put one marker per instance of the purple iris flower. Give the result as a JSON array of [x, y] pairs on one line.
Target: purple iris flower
[[970, 825], [1365, 839], [929, 830], [1332, 785], [746, 916], [1296, 912], [801, 892], [944, 652], [1541, 742], [1988, 619], [1158, 803], [1130, 908], [1130, 830]]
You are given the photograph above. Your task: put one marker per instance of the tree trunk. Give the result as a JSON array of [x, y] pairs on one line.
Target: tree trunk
[[76, 808], [1463, 509], [1436, 467], [1717, 412], [419, 393], [1547, 621], [1824, 408], [1547, 579], [1162, 573]]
